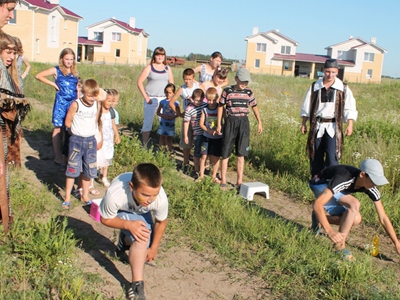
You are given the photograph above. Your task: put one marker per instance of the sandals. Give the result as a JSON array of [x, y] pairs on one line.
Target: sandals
[[105, 181], [66, 205], [93, 191], [77, 193], [216, 180], [86, 203]]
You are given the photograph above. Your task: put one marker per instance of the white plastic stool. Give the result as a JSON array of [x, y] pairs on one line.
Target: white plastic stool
[[248, 189]]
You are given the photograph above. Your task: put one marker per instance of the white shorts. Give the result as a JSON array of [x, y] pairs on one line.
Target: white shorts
[[149, 111]]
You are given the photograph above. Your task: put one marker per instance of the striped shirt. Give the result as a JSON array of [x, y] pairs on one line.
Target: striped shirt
[[342, 178], [237, 101], [192, 115]]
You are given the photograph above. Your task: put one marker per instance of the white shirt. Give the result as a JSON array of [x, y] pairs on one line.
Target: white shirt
[[326, 110], [119, 197]]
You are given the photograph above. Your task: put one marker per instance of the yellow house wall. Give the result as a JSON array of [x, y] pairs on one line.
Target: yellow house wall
[[31, 26]]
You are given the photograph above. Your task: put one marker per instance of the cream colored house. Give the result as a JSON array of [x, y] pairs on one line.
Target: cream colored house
[[274, 53], [114, 41], [367, 58], [45, 28]]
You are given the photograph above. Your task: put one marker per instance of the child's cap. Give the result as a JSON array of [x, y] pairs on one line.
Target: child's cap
[[243, 74], [331, 63], [374, 170]]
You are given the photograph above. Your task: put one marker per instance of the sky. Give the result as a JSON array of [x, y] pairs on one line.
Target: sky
[[184, 27]]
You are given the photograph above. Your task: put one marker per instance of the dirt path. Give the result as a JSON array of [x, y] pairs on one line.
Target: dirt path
[[178, 272]]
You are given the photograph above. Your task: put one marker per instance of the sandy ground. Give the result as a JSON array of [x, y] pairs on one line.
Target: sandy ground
[[178, 272]]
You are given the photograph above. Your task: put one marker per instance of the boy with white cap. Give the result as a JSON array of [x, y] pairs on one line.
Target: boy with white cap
[[333, 187], [237, 98]]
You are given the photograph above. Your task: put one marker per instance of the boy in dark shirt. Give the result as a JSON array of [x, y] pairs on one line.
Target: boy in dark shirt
[[333, 187]]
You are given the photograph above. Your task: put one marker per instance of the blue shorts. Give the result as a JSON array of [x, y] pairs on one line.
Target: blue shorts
[[166, 129], [82, 157], [332, 207], [200, 145], [131, 216]]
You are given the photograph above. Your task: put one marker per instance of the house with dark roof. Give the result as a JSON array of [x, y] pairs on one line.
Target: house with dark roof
[[114, 41], [45, 28], [271, 52]]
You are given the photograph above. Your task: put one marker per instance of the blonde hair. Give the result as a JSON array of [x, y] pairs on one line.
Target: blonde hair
[[212, 93], [7, 42], [18, 46], [63, 70], [91, 87]]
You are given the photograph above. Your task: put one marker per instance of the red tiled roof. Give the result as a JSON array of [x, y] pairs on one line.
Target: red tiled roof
[[84, 41], [316, 58], [126, 26], [47, 5]]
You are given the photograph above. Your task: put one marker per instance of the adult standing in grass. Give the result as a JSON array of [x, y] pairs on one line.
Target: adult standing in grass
[[6, 14], [206, 71], [158, 75], [65, 82], [328, 103], [333, 187], [127, 205]]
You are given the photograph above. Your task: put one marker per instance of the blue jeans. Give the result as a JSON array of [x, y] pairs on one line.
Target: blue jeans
[[325, 153], [332, 207], [82, 157], [132, 216]]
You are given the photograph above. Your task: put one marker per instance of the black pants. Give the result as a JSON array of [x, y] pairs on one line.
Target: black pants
[[324, 155]]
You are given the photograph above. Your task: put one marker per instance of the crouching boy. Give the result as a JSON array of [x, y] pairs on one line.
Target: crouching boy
[[333, 187], [127, 205]]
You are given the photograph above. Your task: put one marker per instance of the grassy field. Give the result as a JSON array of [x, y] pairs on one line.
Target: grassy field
[[276, 250]]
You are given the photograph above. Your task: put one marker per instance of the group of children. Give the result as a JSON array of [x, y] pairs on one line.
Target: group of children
[[214, 121], [85, 114]]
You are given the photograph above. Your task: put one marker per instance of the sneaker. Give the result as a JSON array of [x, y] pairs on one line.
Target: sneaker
[[194, 175], [120, 250], [315, 224], [185, 169], [136, 291], [105, 181]]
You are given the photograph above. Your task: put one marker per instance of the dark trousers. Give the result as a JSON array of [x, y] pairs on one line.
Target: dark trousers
[[325, 154]]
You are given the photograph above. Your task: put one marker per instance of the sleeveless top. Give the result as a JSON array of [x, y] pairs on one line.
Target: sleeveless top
[[84, 122], [210, 84], [211, 119], [204, 76], [156, 82], [67, 85]]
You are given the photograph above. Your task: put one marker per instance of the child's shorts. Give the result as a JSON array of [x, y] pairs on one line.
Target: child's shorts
[[332, 207], [82, 157], [214, 147], [236, 133], [200, 145], [166, 129], [182, 143], [132, 216]]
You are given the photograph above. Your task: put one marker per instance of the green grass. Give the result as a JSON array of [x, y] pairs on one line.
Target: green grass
[[286, 256]]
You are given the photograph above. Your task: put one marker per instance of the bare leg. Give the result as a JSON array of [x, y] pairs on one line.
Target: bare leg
[[145, 137], [240, 168], [224, 169], [169, 143], [196, 161], [186, 155], [203, 160], [137, 258], [85, 188], [56, 138], [69, 184], [215, 165]]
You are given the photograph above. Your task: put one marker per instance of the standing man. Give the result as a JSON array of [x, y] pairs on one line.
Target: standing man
[[328, 103], [6, 14], [127, 205]]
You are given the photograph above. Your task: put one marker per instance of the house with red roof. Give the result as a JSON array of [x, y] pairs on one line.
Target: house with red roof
[[114, 41], [45, 28], [271, 52]]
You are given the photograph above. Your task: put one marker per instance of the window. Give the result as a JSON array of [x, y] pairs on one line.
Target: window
[[369, 73], [340, 54], [98, 36], [117, 53], [257, 63], [286, 65], [368, 56], [116, 36], [37, 44], [285, 50], [261, 47], [13, 20], [53, 28]]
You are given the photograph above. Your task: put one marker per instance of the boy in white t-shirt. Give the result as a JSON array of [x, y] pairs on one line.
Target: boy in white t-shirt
[[127, 205]]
